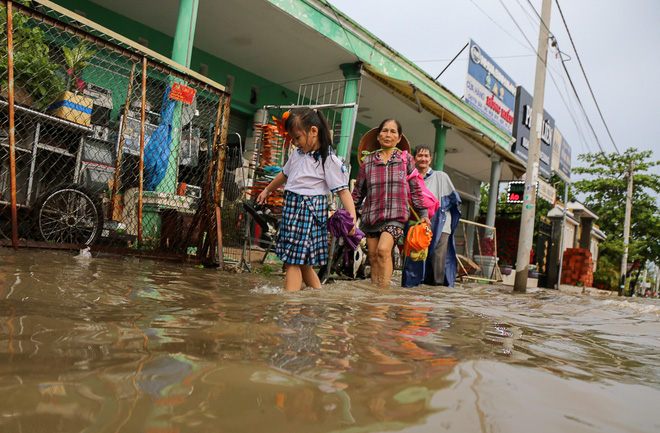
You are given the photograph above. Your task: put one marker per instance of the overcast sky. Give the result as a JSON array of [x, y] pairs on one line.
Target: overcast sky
[[617, 41]]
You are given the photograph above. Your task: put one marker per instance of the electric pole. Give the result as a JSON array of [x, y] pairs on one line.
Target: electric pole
[[531, 177], [626, 230]]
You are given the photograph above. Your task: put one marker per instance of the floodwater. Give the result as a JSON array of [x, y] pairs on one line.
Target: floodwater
[[108, 344]]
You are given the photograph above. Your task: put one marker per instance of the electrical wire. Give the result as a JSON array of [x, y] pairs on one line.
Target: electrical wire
[[523, 33], [585, 75], [334, 11], [545, 63], [563, 63], [495, 22]]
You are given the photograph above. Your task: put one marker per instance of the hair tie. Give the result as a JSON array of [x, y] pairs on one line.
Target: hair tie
[[280, 127]]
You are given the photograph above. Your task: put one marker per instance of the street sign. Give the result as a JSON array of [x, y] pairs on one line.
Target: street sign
[[546, 191]]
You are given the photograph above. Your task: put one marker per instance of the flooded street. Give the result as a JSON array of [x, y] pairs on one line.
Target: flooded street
[[113, 344]]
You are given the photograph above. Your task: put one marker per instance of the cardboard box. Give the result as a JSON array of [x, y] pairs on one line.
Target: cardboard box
[[72, 107]]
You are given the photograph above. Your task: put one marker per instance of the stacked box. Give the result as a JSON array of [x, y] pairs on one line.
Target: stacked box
[[577, 268], [72, 107]]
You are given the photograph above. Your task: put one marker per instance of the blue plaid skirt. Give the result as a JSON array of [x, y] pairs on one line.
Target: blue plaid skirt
[[303, 236]]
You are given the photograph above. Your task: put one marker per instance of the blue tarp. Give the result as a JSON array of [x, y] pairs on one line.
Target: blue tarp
[[157, 151]]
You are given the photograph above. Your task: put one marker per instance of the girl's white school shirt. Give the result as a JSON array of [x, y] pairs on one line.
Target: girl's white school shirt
[[305, 174]]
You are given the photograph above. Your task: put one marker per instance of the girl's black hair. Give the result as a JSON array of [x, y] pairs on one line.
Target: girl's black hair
[[398, 125], [303, 119]]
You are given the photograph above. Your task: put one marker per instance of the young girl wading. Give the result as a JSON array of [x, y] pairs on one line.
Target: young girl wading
[[311, 173]]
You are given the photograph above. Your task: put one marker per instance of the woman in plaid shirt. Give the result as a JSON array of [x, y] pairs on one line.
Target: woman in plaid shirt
[[382, 191]]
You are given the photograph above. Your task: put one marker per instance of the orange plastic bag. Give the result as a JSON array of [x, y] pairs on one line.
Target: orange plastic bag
[[417, 241]]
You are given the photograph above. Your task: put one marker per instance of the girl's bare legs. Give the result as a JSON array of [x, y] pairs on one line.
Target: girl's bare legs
[[310, 277], [293, 278], [380, 255], [296, 274]]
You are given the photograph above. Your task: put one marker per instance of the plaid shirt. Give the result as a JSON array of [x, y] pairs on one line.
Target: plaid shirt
[[384, 189]]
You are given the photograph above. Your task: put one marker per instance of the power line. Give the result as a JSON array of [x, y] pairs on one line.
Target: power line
[[523, 33], [539, 16], [580, 102], [334, 11], [495, 22], [554, 44], [585, 75], [571, 110]]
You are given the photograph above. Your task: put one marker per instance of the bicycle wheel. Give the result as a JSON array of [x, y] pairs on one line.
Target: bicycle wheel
[[68, 214]]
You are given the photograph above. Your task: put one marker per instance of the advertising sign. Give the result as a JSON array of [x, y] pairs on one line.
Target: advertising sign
[[182, 93], [522, 127], [489, 89], [546, 191], [561, 162]]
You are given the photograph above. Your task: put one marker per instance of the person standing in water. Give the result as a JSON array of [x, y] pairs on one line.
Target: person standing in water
[[311, 173], [441, 265], [383, 191]]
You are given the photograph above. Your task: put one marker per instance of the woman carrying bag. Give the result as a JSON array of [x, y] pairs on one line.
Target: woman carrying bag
[[382, 193]]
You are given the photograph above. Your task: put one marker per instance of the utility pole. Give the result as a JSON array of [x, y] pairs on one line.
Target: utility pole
[[626, 230], [531, 177]]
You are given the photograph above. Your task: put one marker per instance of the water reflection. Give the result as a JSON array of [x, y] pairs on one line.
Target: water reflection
[[121, 345]]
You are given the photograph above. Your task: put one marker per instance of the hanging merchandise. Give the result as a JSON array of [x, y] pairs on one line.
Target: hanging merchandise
[[267, 161]]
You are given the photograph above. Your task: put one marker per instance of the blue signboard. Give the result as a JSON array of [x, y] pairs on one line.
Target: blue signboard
[[489, 89]]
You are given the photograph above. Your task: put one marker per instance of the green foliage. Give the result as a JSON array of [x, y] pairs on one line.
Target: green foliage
[[76, 61], [264, 270], [605, 183], [33, 68], [607, 272]]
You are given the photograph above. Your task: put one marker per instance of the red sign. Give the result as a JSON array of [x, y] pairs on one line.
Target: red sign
[[182, 93]]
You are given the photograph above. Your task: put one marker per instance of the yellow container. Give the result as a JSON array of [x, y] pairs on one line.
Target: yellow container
[[76, 108]]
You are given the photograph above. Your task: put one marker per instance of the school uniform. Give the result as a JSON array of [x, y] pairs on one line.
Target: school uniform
[[303, 236]]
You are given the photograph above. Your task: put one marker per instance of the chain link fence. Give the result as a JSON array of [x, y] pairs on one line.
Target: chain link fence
[[105, 144]]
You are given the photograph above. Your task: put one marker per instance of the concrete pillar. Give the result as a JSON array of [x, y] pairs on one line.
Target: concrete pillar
[[351, 72], [185, 31], [554, 252], [182, 54], [495, 171], [440, 145], [587, 225]]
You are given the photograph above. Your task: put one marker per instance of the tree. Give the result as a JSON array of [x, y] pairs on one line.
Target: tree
[[605, 187]]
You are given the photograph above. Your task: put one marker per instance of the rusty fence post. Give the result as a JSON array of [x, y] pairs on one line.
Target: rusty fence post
[[12, 126], [120, 148], [141, 176]]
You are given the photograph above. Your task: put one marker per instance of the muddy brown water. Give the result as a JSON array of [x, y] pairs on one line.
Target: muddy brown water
[[108, 344]]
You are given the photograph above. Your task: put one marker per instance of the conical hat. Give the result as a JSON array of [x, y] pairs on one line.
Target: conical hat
[[370, 143]]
